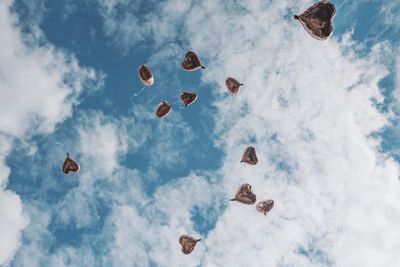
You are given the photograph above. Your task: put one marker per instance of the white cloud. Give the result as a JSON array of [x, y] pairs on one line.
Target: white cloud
[[11, 224], [125, 28], [39, 85], [315, 97], [307, 108], [101, 143], [106, 183], [127, 25], [150, 233], [389, 13]]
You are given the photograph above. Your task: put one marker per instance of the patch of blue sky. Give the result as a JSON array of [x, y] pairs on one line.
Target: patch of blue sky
[[368, 19], [370, 27], [81, 32], [315, 255], [40, 176], [122, 80], [206, 216]]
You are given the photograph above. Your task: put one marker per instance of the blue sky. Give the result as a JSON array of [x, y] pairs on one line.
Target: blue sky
[[323, 117]]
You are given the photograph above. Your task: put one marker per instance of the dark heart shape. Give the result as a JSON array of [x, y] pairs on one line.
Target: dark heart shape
[[232, 85], [317, 19], [145, 75], [265, 206], [188, 98], [250, 156], [163, 109], [188, 243], [191, 62], [245, 195], [70, 165]]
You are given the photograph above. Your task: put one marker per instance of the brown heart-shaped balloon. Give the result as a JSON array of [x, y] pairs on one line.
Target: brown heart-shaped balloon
[[163, 109], [245, 195], [317, 19], [265, 206], [250, 156], [191, 62], [188, 98], [188, 243], [145, 75], [70, 165], [232, 85]]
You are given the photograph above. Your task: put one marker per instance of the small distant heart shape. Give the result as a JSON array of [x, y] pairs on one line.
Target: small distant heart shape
[[188, 98], [245, 195], [145, 75], [188, 243], [317, 19], [191, 62], [265, 206], [70, 165], [163, 109], [232, 85], [250, 156]]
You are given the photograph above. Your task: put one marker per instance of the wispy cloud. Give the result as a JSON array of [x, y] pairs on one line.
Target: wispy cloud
[[39, 85], [321, 129], [309, 109], [110, 191]]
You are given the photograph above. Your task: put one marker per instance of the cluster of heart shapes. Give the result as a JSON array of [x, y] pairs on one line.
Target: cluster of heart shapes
[[245, 194], [191, 62], [317, 21]]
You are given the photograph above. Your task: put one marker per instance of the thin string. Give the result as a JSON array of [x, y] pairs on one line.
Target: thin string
[[61, 145], [137, 93], [178, 102]]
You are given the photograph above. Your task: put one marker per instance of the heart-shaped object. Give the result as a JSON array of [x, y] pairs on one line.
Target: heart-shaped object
[[188, 98], [188, 243], [163, 109], [70, 165], [245, 195], [191, 62], [317, 19], [232, 85], [265, 206], [250, 156], [145, 75]]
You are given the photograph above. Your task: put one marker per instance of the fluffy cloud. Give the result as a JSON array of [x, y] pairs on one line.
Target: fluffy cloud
[[99, 202], [309, 109], [39, 85], [307, 106], [158, 225], [127, 24]]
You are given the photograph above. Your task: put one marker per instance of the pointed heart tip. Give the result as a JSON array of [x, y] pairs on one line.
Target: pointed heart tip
[[296, 17], [203, 67], [233, 199]]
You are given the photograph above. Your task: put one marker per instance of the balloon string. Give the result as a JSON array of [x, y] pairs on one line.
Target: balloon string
[[177, 102], [61, 145], [137, 93]]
